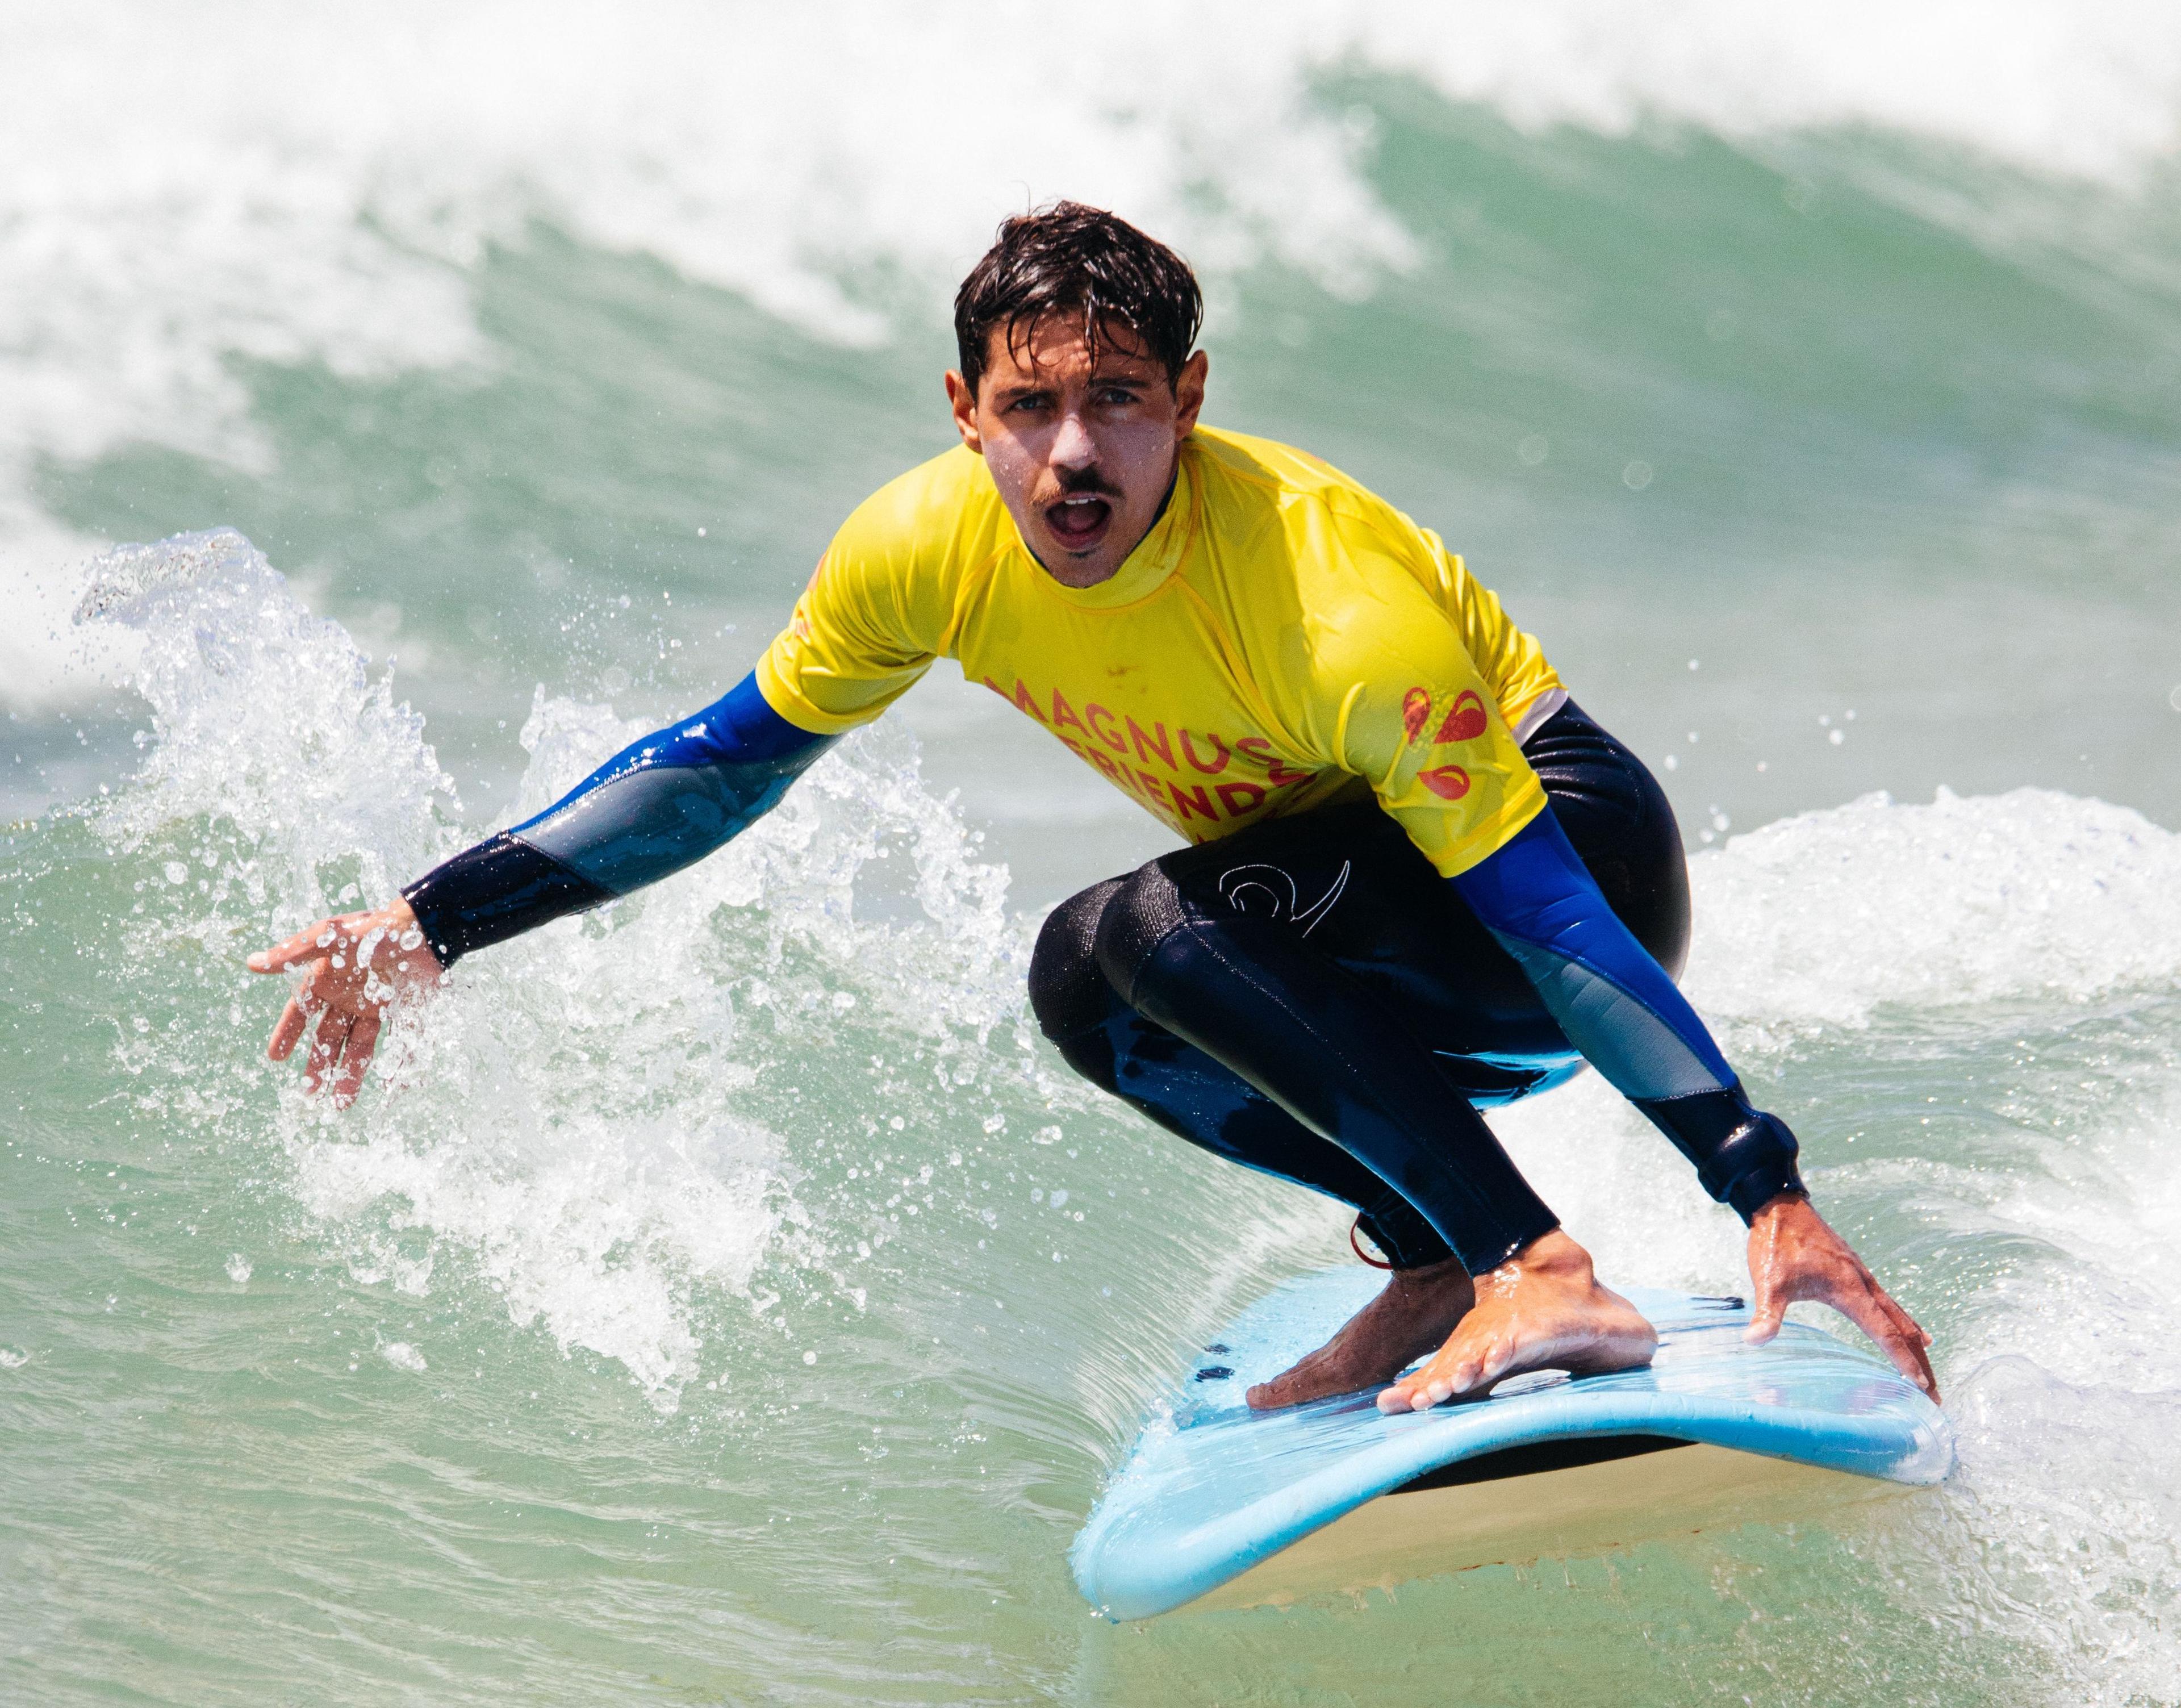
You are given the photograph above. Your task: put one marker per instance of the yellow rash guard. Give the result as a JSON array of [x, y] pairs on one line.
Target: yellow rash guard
[[1280, 639]]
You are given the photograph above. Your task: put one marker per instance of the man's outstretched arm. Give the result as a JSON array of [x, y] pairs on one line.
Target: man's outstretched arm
[[656, 806], [659, 804], [1618, 1006]]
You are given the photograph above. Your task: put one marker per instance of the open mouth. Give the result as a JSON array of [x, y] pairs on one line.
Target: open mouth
[[1079, 521]]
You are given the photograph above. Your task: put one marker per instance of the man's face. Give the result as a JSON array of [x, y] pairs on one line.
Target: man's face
[[1082, 452]]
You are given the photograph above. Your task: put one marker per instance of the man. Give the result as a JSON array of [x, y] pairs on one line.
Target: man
[[1421, 880]]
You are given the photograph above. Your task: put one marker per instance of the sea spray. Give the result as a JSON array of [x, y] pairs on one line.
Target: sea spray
[[1822, 918], [563, 1116]]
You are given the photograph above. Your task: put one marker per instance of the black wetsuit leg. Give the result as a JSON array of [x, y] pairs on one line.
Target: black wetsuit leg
[[1310, 998]]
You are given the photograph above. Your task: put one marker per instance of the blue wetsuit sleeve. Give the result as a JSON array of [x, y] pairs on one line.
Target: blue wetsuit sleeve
[[1618, 1006], [652, 809]]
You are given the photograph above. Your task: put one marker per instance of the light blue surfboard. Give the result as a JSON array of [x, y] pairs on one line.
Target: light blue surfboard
[[1218, 1500]]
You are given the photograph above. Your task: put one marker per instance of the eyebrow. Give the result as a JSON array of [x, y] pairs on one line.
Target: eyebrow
[[1011, 390]]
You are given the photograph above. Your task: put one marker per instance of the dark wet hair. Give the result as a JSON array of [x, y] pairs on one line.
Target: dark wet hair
[[1070, 259]]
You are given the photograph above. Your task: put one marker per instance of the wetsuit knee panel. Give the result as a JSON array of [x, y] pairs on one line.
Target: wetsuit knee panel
[[1067, 991], [1144, 909]]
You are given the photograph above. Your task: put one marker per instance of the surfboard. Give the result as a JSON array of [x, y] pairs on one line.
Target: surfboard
[[1219, 1506]]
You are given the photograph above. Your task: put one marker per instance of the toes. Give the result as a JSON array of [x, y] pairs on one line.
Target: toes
[[1433, 1385]]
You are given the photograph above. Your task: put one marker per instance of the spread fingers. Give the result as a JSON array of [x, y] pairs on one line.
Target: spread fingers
[[293, 952], [326, 1046], [286, 1031], [1870, 1310], [356, 1058]]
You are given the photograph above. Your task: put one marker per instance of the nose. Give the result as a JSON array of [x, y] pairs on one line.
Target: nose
[[1072, 447]]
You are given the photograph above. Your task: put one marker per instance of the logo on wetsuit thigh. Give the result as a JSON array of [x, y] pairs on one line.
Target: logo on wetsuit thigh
[[1270, 890]]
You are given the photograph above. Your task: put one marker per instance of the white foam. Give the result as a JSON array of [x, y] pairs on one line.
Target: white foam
[[597, 1231], [2091, 90], [1821, 918], [265, 716], [45, 661], [2062, 1525], [558, 1118], [316, 184]]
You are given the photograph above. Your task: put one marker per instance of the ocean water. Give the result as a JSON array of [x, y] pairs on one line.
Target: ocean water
[[727, 1297]]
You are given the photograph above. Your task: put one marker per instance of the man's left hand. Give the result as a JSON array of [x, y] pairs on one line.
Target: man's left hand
[[1794, 1256]]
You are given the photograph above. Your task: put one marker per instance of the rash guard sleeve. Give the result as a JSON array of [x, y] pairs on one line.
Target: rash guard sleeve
[[1617, 1006], [658, 805]]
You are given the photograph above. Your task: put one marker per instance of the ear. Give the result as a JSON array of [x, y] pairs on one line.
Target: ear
[[963, 401], [1189, 394]]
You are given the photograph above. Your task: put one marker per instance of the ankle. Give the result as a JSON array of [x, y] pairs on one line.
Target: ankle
[[1552, 1256], [1429, 1286], [1431, 1275]]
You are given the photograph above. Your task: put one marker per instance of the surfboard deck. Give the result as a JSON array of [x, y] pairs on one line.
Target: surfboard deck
[[1225, 1507]]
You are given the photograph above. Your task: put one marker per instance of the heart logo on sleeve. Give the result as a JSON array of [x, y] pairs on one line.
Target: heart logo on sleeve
[[1416, 711], [1447, 782], [1464, 719]]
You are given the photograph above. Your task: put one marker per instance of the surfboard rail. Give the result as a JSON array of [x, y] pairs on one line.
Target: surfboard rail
[[1213, 1489]]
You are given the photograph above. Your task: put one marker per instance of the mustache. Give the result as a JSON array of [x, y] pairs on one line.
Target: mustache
[[1077, 483]]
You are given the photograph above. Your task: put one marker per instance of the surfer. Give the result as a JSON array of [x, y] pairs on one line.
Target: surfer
[[1420, 879]]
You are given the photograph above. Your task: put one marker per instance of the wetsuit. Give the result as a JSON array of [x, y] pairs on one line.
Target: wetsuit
[[1380, 926], [1324, 957]]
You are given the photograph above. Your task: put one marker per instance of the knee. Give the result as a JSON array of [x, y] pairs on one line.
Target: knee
[[1067, 991], [1145, 908]]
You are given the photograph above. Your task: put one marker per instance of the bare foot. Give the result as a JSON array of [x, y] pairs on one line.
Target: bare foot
[[1417, 1309], [1541, 1310]]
